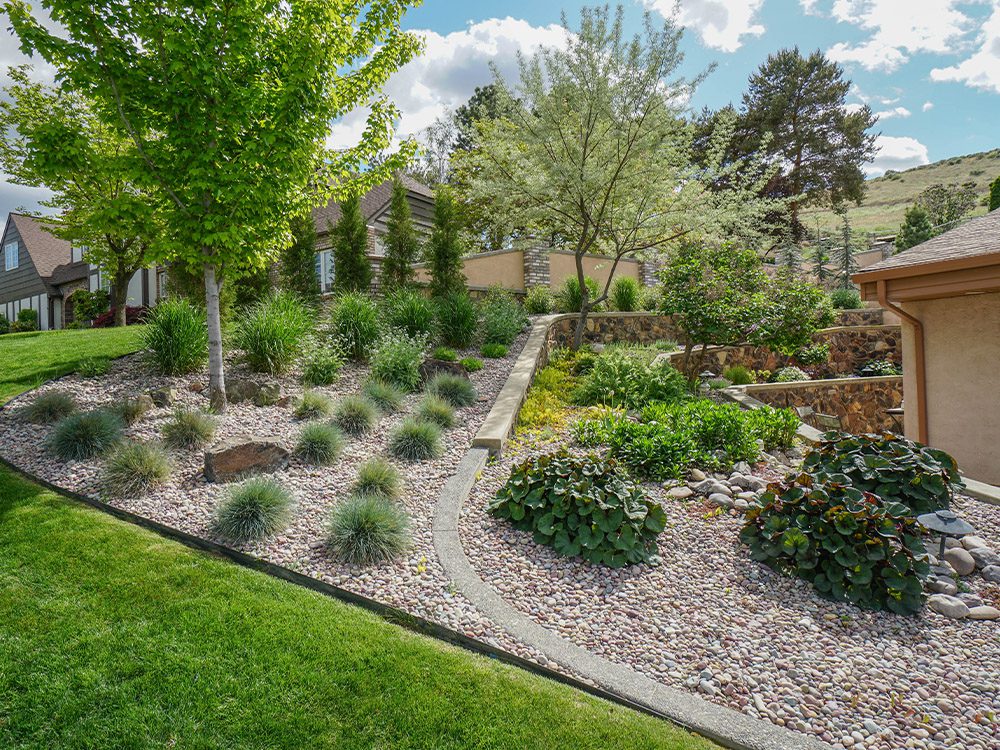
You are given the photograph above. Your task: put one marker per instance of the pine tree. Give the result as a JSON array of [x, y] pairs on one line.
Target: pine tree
[[351, 267], [820, 259], [843, 254], [401, 244], [994, 199], [916, 228], [446, 247], [790, 258], [298, 261]]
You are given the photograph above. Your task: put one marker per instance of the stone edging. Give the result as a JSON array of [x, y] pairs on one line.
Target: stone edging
[[725, 726]]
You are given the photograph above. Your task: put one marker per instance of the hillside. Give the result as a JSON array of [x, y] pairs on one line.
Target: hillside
[[890, 195]]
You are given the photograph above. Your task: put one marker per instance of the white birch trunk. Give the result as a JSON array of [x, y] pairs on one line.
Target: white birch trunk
[[216, 373]]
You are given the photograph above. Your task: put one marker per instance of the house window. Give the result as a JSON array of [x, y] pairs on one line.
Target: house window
[[324, 269], [76, 254], [11, 256]]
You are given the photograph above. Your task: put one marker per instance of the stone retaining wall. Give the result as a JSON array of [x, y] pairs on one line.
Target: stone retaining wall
[[606, 328], [861, 403], [861, 316]]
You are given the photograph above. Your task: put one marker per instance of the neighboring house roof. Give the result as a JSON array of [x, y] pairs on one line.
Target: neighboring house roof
[[46, 250], [372, 202]]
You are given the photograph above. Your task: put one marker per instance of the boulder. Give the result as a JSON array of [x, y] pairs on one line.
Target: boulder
[[749, 483], [712, 487], [145, 402], [431, 367], [240, 389], [163, 396], [991, 573], [949, 606], [196, 387], [268, 394], [236, 457], [680, 493], [943, 586], [984, 557], [721, 501], [974, 542], [971, 600], [984, 612], [697, 475], [961, 560]]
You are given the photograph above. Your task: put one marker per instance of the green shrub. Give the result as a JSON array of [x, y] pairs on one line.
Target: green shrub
[[436, 410], [569, 299], [189, 428], [254, 510], [538, 301], [133, 468], [444, 354], [850, 546], [790, 375], [366, 530], [416, 440], [378, 478], [387, 398], [775, 427], [85, 434], [27, 320], [175, 337], [472, 364], [396, 360], [93, 367], [620, 377], [845, 299], [410, 311], [502, 317], [89, 305], [890, 466], [272, 333], [4, 324], [131, 410], [355, 415], [313, 405], [650, 299], [717, 384], [458, 318], [875, 368], [321, 365], [625, 292], [454, 389], [493, 351], [581, 507], [50, 407], [739, 375], [816, 354], [354, 322], [319, 443]]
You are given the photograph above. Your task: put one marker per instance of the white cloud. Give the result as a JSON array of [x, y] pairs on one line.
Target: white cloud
[[894, 112], [450, 68], [897, 152], [721, 24], [927, 107], [981, 70]]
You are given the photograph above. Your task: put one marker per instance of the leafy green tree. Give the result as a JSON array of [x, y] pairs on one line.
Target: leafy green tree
[[402, 247], [229, 106], [794, 311], [486, 103], [297, 269], [795, 110], [55, 140], [916, 228], [446, 246], [945, 204], [994, 199], [351, 267]]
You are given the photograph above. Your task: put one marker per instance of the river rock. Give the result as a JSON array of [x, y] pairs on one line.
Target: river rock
[[680, 493], [943, 586], [236, 457], [992, 573], [984, 613], [712, 487], [961, 560], [974, 542], [984, 557], [948, 606], [720, 500]]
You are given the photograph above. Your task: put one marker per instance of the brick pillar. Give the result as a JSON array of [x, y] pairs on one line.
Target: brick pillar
[[649, 271], [536, 267]]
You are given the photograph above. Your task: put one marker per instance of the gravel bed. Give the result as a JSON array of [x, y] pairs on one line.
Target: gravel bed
[[712, 621]]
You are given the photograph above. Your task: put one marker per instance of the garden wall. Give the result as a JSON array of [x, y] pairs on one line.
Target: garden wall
[[859, 316], [606, 328], [861, 403]]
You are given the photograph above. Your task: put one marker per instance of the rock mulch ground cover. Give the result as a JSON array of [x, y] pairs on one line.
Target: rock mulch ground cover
[[712, 621]]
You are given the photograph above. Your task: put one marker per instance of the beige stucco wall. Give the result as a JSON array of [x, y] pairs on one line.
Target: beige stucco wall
[[962, 342], [562, 265], [505, 267]]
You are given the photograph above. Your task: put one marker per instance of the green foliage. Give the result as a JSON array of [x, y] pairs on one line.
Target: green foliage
[[27, 320], [352, 269], [354, 322], [717, 384], [133, 468], [319, 443], [189, 428], [93, 367], [502, 317], [396, 360], [50, 407], [874, 368], [297, 267], [471, 364], [739, 375], [252, 511], [355, 415], [388, 398], [845, 542], [88, 305], [650, 299], [175, 337], [378, 478], [411, 312], [458, 318], [436, 410], [890, 466], [945, 204], [367, 530], [816, 354], [493, 351], [622, 377], [583, 507], [916, 228], [625, 294], [793, 312], [790, 375], [444, 354], [85, 434], [538, 301], [569, 298], [454, 389], [313, 405], [994, 199], [131, 410], [845, 299], [776, 428], [322, 363], [402, 247], [416, 440], [446, 246], [4, 324], [545, 406], [272, 333]]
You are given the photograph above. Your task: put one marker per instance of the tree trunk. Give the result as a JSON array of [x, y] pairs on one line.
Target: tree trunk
[[581, 324], [120, 297], [216, 373]]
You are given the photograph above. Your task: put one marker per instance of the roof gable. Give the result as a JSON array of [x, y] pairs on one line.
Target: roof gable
[[372, 202], [47, 251]]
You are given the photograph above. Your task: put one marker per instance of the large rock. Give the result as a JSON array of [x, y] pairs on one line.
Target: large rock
[[943, 586], [268, 394], [992, 573], [163, 396], [949, 606], [961, 560], [238, 456], [431, 367], [712, 487], [721, 501], [984, 557], [241, 389], [974, 542], [984, 612]]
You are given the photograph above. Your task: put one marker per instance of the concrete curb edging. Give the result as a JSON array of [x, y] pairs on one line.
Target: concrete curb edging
[[725, 726]]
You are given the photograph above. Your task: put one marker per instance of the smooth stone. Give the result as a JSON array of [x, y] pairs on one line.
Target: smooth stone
[[697, 475], [984, 612], [951, 542], [991, 573], [943, 586], [984, 557], [961, 560], [742, 467], [163, 396], [948, 606], [974, 542], [680, 493], [711, 487], [720, 500], [971, 600]]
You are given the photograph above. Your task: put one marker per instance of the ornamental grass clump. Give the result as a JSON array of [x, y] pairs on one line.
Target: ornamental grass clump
[[625, 292], [739, 375], [254, 510], [444, 353], [412, 313], [416, 440], [378, 478], [175, 337], [493, 351], [454, 389], [93, 367], [582, 506], [538, 301], [313, 405], [189, 428], [272, 333], [368, 530], [85, 434], [387, 398], [354, 322], [355, 415], [133, 468], [569, 298], [472, 364], [847, 543], [502, 318], [396, 360], [50, 407], [322, 364], [436, 410], [457, 318], [319, 443]]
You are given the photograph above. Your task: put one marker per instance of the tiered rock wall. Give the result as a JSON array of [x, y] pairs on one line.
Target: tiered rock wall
[[862, 316], [607, 328]]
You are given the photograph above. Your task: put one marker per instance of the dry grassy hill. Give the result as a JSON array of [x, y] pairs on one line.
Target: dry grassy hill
[[890, 195]]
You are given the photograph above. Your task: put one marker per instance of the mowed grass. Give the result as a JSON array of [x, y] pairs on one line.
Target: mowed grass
[[113, 637], [29, 359]]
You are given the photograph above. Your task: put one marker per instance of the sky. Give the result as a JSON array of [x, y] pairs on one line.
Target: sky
[[929, 68]]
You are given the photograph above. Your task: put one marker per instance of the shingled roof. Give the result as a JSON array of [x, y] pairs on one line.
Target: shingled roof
[[372, 202], [47, 251]]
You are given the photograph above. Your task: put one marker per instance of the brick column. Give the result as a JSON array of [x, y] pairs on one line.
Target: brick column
[[649, 272], [536, 267]]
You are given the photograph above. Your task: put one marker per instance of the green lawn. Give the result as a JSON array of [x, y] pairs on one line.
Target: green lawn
[[112, 637]]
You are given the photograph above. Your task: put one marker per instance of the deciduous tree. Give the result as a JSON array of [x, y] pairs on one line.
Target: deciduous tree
[[945, 204]]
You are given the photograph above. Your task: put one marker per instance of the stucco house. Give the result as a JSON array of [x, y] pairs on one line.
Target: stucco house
[[947, 293]]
